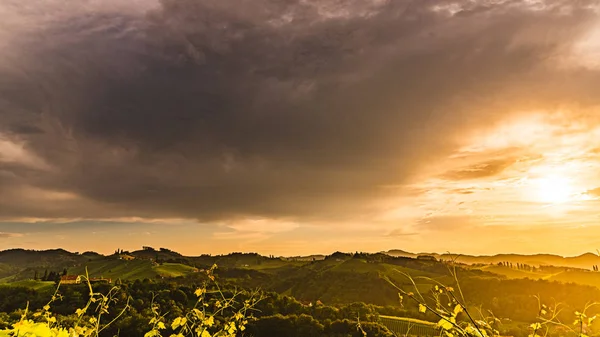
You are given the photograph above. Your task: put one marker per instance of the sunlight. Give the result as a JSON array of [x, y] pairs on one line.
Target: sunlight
[[554, 189]]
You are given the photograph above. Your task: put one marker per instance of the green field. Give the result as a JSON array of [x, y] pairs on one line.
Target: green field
[[37, 285], [130, 270], [174, 270]]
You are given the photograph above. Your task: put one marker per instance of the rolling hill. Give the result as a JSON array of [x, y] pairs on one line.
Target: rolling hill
[[131, 270], [337, 278], [585, 261]]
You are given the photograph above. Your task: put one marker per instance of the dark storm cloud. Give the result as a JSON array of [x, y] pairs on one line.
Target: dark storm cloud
[[213, 109]]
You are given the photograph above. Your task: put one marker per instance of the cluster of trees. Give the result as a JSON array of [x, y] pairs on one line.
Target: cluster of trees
[[281, 315], [523, 266], [516, 298], [276, 315], [120, 251], [49, 276], [519, 266]]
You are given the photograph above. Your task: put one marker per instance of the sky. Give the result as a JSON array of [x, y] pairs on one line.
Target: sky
[[295, 127]]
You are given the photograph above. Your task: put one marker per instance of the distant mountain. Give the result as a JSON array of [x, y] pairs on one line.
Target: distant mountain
[[399, 252], [585, 261]]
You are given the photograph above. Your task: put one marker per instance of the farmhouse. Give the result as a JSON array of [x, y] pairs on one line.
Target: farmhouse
[[74, 279], [70, 279]]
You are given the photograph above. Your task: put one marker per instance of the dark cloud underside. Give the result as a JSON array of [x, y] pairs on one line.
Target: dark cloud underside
[[213, 109]]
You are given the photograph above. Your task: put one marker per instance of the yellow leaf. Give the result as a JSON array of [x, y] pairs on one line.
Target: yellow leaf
[[422, 308], [209, 321], [457, 309], [176, 323], [445, 324], [62, 333], [535, 326]]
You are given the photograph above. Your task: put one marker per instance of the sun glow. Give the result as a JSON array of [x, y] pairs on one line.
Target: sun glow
[[554, 189]]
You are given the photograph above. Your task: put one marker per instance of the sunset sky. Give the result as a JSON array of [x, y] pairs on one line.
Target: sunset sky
[[300, 126]]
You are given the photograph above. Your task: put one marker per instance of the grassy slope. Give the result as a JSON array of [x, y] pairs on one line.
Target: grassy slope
[[7, 270], [578, 276], [354, 280], [174, 270], [130, 270], [37, 285], [512, 273], [114, 268]]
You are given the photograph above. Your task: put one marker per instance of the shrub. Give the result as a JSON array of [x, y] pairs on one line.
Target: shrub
[[214, 314]]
